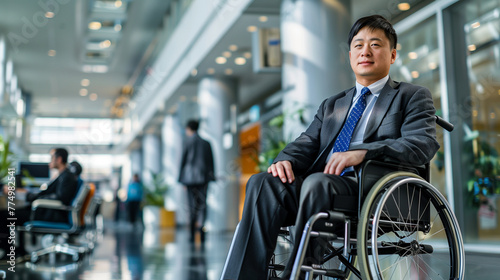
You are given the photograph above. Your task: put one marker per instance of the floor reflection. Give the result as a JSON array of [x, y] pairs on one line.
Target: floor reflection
[[127, 253]]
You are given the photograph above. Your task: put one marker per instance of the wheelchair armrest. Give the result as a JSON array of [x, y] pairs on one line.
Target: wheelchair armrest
[[48, 204], [370, 171], [391, 165]]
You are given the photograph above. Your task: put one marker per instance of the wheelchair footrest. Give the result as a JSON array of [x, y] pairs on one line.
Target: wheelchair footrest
[[326, 235]]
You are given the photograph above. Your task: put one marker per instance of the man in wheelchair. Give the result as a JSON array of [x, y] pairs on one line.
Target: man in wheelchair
[[376, 119]]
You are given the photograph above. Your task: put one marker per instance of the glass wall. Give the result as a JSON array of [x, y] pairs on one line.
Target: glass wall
[[481, 27], [471, 76], [418, 63]]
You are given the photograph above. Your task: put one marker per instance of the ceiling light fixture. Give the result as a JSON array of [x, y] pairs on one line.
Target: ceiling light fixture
[[118, 27], [95, 25], [252, 28], [52, 53], [93, 96], [412, 55], [228, 71], [227, 54], [49, 14], [404, 6], [118, 4], [247, 55], [240, 61], [194, 72], [83, 92], [211, 71], [100, 68], [105, 44], [233, 48], [262, 18], [85, 82], [220, 60], [471, 47], [475, 24], [415, 74]]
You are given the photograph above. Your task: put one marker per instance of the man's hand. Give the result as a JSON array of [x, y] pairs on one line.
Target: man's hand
[[283, 170], [339, 161]]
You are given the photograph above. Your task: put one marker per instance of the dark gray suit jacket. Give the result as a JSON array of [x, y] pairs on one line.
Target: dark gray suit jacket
[[401, 128], [197, 164], [63, 188]]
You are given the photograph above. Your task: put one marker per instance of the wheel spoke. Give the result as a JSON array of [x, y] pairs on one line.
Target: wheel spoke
[[430, 267], [398, 208], [410, 201]]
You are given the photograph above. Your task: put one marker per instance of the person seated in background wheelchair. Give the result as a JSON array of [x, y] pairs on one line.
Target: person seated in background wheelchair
[[63, 188], [376, 119]]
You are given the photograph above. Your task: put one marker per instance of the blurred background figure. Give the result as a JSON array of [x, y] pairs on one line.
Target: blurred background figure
[[134, 198], [197, 170]]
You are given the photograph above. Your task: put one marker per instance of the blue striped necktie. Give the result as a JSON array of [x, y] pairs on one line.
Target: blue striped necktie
[[344, 138]]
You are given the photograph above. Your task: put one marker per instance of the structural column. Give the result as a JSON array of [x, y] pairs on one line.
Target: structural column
[[151, 151], [315, 57], [217, 103], [172, 133], [136, 162]]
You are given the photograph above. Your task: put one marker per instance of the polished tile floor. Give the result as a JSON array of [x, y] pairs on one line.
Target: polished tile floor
[[127, 253]]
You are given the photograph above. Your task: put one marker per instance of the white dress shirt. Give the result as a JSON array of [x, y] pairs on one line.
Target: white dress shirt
[[359, 130]]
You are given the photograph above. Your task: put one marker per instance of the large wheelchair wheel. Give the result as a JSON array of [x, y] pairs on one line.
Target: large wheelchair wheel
[[333, 258], [408, 231], [281, 255]]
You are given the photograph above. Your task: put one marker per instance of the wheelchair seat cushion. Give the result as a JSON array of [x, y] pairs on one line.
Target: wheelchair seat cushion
[[51, 225]]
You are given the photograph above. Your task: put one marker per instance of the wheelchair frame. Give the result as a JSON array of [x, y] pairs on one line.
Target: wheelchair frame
[[380, 190]]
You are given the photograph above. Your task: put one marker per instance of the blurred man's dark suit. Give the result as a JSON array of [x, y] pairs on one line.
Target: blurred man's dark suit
[[197, 170]]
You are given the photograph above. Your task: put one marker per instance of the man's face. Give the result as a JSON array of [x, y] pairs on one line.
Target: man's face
[[371, 55], [54, 161]]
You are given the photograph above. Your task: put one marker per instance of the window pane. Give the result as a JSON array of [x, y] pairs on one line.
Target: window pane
[[482, 140], [74, 131], [418, 63]]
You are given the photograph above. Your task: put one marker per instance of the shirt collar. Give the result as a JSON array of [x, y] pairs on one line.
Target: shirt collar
[[375, 88]]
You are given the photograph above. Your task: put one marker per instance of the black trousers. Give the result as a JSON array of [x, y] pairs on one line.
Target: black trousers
[[271, 204], [197, 199], [133, 210]]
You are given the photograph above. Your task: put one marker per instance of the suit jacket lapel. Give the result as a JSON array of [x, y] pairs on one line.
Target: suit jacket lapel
[[336, 120], [339, 114], [334, 124], [381, 107]]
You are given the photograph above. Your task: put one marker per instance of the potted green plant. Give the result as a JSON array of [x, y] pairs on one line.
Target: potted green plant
[[6, 160], [154, 212], [273, 141]]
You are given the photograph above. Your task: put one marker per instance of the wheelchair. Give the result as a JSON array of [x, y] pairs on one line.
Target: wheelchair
[[398, 227]]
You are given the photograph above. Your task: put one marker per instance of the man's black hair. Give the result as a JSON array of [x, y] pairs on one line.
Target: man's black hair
[[375, 22], [61, 152], [75, 168], [193, 125]]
